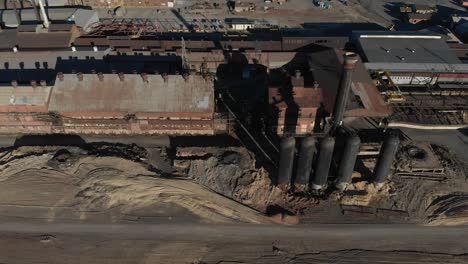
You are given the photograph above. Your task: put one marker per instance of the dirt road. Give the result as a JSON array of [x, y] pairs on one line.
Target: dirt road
[[180, 243]]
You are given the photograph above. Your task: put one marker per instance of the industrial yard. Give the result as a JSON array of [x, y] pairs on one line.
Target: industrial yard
[[233, 132]]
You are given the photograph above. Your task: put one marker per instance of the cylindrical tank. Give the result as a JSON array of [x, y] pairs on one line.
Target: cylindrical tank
[[348, 160], [386, 157], [324, 160], [342, 95], [304, 163], [288, 147]]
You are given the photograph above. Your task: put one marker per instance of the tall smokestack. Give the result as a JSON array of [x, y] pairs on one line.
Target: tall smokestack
[[44, 14], [350, 60]]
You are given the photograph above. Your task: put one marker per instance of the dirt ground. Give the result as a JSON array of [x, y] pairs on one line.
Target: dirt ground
[[126, 183], [67, 184]]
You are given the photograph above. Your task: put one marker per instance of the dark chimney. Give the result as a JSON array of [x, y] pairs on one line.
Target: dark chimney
[[342, 96]]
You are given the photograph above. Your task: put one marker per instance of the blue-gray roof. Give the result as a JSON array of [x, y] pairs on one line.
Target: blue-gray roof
[[404, 48]]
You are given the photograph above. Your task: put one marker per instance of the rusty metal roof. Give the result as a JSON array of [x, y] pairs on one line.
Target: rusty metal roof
[[326, 66], [132, 94], [23, 97], [31, 40]]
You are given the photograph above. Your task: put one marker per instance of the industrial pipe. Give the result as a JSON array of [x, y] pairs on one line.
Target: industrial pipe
[[324, 160], [304, 164], [347, 162], [342, 95], [46, 22], [287, 151], [385, 161]]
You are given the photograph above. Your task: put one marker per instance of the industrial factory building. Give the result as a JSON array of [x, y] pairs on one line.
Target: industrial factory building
[[411, 58], [110, 104], [301, 102]]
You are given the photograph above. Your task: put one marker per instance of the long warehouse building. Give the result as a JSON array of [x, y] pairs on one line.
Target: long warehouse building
[[411, 58]]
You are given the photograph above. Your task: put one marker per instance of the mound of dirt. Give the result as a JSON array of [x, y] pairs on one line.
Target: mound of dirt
[[53, 183]]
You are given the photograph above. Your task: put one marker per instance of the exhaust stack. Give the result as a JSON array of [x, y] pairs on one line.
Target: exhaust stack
[[350, 60]]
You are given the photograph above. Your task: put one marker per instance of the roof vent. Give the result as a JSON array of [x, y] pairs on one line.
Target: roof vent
[[14, 83], [165, 77], [401, 58], [80, 76], [43, 83], [386, 50], [412, 50], [186, 77], [121, 76], [60, 76], [144, 77], [101, 76], [33, 84], [15, 48]]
